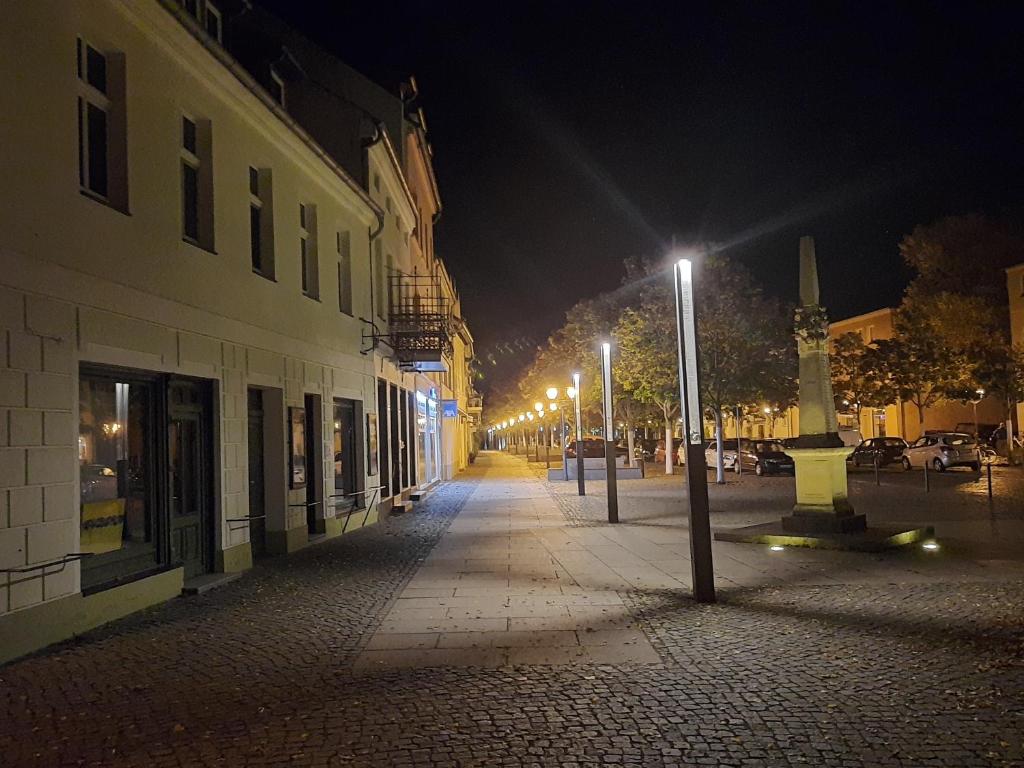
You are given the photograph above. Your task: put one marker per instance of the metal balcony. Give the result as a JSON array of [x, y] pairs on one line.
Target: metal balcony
[[419, 323]]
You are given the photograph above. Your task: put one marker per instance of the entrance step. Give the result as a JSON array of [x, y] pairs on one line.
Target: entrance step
[[401, 507], [200, 584]]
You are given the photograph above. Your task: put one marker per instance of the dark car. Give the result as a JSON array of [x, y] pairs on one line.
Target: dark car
[[765, 457], [593, 448], [888, 450]]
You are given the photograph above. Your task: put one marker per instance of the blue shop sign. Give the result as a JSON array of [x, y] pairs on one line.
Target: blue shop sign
[[449, 409]]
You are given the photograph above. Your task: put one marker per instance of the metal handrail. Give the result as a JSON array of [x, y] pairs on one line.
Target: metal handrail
[[306, 504], [70, 557], [245, 519]]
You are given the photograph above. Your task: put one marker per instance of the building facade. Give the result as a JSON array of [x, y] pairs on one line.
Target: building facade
[[192, 371]]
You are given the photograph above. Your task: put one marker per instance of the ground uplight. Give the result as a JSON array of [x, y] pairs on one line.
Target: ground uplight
[[931, 546], [776, 547]]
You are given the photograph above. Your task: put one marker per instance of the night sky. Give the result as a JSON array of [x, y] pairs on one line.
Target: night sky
[[568, 136]]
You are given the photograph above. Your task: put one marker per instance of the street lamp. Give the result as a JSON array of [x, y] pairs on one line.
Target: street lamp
[[693, 434], [609, 433], [557, 404], [981, 396], [573, 393]]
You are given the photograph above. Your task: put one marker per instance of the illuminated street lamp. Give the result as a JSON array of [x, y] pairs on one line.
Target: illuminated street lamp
[[981, 396], [609, 433], [573, 393], [693, 434]]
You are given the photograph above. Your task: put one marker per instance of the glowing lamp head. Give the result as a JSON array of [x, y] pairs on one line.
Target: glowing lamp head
[[571, 393], [538, 406], [529, 416], [522, 417], [553, 406], [552, 393], [930, 546]]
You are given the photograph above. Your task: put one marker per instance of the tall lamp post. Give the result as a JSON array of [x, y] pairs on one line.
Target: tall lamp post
[[693, 435], [556, 403], [581, 483], [609, 433]]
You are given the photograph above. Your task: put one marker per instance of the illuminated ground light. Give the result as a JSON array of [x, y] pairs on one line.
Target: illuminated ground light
[[931, 546], [776, 547]]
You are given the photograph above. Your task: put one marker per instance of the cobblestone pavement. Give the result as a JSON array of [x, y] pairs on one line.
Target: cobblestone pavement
[[925, 672]]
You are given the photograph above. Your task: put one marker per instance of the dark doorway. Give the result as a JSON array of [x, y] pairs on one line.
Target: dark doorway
[[189, 475], [407, 444], [257, 496], [410, 435], [314, 464], [385, 453]]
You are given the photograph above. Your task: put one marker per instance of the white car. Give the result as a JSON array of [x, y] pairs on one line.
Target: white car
[[728, 453], [942, 450]]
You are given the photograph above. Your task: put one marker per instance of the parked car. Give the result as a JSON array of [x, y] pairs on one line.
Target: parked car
[[728, 453], [593, 448], [943, 450], [887, 450], [647, 448], [679, 452], [764, 457], [99, 483]]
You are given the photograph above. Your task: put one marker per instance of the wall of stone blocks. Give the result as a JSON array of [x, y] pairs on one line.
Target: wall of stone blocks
[[37, 447]]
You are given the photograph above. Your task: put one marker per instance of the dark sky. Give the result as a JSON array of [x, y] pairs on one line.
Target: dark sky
[[569, 135]]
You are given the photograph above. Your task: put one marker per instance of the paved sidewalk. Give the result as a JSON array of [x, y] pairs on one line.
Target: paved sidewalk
[[509, 584], [897, 661]]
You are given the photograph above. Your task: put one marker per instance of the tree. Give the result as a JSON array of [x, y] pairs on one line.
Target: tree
[[858, 377], [648, 363], [918, 365]]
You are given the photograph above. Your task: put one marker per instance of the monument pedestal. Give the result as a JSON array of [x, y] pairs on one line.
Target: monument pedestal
[[822, 503]]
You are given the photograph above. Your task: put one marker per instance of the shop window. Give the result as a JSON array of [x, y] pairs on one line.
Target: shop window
[[116, 475]]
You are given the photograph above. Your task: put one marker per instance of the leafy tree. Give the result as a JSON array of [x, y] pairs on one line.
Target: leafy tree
[[919, 366], [648, 368], [858, 375]]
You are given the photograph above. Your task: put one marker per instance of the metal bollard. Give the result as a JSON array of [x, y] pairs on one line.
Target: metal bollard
[[877, 481], [988, 466], [927, 487]]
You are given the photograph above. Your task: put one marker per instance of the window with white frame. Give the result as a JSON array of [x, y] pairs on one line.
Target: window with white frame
[[277, 88], [344, 244], [196, 182], [307, 250], [261, 222], [102, 162], [214, 22]]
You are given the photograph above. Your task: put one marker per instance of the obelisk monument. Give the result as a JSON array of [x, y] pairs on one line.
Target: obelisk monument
[[822, 505]]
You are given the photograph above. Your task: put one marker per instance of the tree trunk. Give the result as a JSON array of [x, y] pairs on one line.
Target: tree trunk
[[669, 456], [629, 443], [720, 458]]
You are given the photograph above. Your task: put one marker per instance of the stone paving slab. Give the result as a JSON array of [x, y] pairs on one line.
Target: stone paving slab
[[906, 662], [515, 588]]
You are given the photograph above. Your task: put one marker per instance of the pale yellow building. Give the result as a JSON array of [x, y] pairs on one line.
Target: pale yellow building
[[198, 356], [1015, 294]]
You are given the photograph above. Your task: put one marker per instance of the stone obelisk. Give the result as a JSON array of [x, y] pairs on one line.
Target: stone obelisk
[[822, 505]]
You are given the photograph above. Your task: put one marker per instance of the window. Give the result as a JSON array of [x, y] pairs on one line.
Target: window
[[196, 183], [380, 285], [191, 7], [116, 473], [307, 251], [101, 145], [344, 243], [277, 88], [261, 224], [214, 23]]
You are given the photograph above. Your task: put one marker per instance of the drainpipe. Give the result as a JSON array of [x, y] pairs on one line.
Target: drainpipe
[[378, 135]]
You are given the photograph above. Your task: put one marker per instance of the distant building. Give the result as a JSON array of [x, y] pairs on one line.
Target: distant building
[[1015, 293], [224, 331], [901, 419]]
